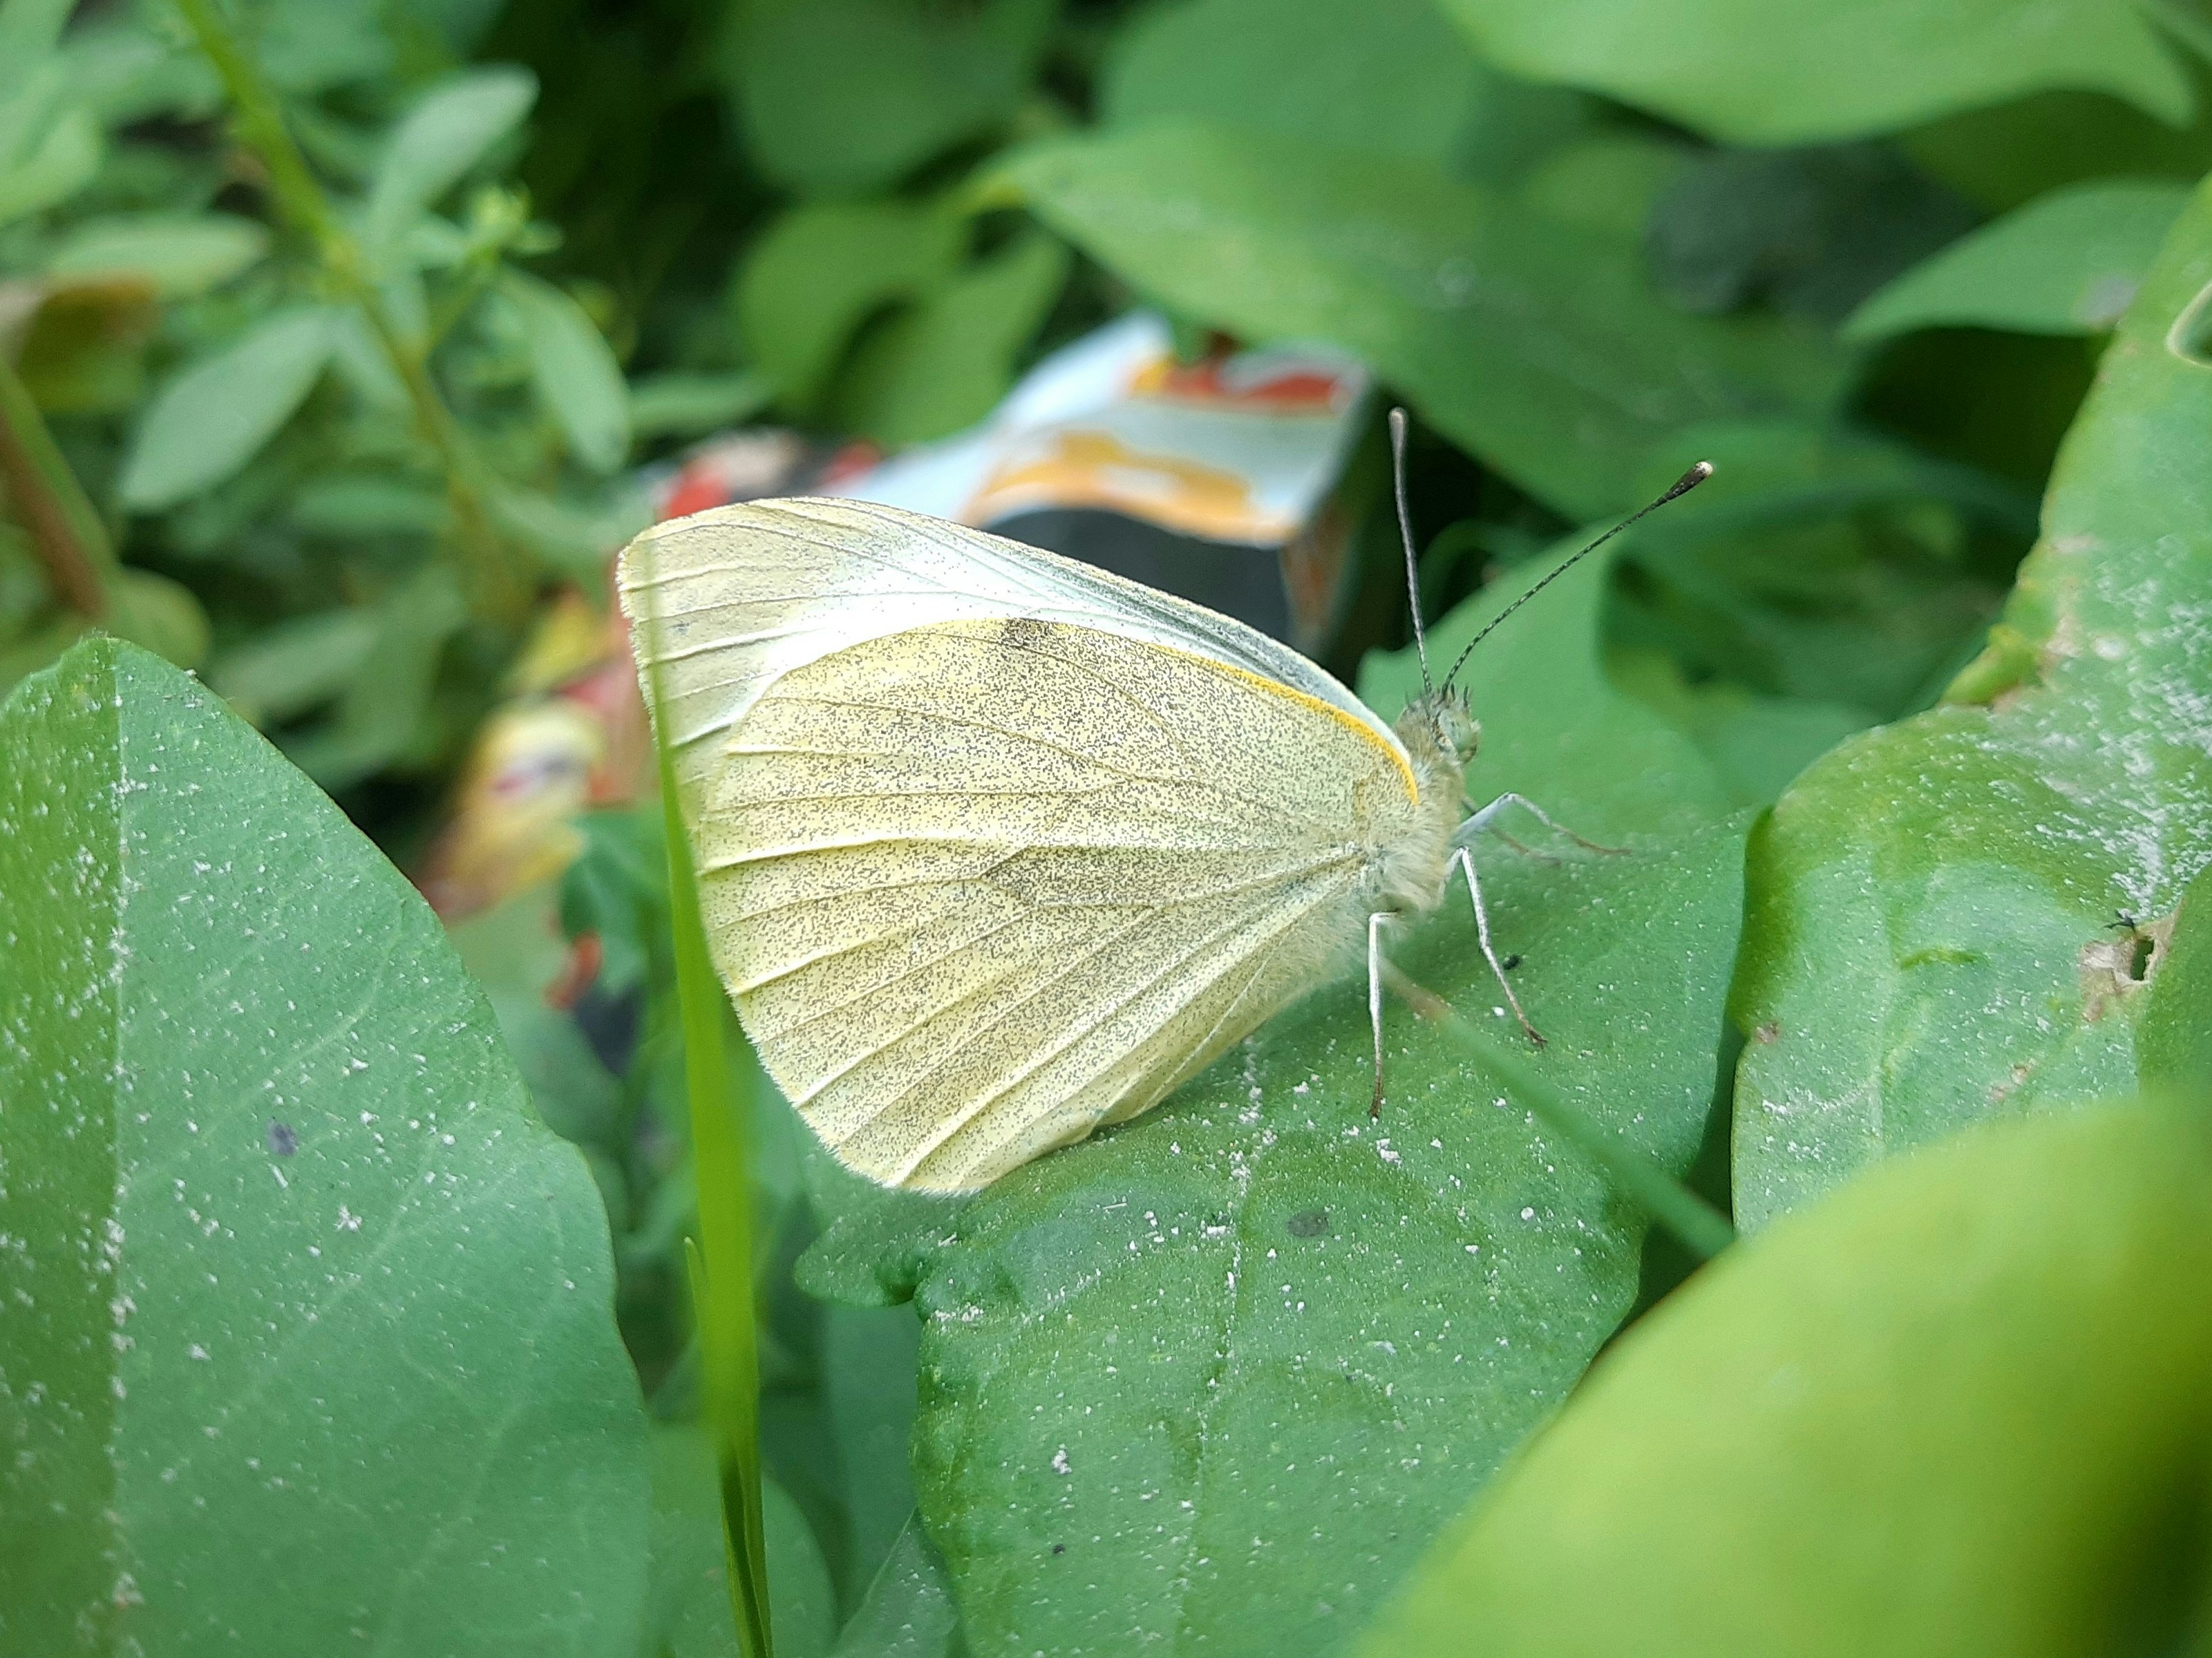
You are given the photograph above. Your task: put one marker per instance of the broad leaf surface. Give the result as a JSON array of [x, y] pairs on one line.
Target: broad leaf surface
[[1210, 1381], [819, 271], [1393, 77], [1523, 337], [1960, 1409], [1755, 74], [841, 97], [908, 1612], [946, 361], [310, 1345], [1940, 911], [2068, 263]]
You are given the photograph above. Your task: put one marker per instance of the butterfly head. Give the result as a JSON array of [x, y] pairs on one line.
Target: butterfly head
[[1440, 726]]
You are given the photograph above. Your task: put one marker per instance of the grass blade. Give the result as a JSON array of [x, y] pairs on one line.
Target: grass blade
[[720, 1260]]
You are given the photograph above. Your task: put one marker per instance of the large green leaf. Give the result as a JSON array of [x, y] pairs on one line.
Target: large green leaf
[[1962, 1408], [1209, 1380], [1933, 933], [2068, 263], [839, 97], [1392, 76], [216, 416], [944, 362], [310, 1344], [1753, 73], [820, 270], [1527, 339]]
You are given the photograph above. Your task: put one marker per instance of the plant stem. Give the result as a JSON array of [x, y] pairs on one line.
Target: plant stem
[[1703, 1229], [487, 562], [721, 1260], [65, 530]]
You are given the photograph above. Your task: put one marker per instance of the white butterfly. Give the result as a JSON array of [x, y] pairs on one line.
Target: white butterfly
[[995, 846]]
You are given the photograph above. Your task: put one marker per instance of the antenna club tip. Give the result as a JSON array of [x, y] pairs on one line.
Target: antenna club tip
[[1398, 421], [1702, 470]]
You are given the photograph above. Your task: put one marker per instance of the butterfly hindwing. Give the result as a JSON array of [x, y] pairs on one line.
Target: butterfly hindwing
[[978, 884]]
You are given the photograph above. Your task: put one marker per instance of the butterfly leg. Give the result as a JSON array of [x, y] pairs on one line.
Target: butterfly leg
[[1488, 816], [1375, 926], [1466, 863]]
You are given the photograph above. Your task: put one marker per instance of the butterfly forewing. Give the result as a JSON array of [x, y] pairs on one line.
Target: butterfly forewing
[[725, 601]]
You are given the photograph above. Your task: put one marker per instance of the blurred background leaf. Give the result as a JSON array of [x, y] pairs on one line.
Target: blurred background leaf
[[1981, 1373]]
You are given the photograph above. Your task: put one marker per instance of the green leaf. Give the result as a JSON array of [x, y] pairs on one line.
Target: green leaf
[[175, 254], [66, 155], [311, 1343], [908, 1612], [819, 271], [2068, 263], [1958, 1409], [944, 363], [160, 614], [1818, 564], [839, 97], [1932, 936], [28, 32], [294, 665], [1393, 77], [1748, 73], [1254, 1314], [439, 141], [386, 699], [2176, 1036], [1757, 744], [211, 419], [688, 1614], [868, 1377], [690, 405], [1528, 340], [573, 371]]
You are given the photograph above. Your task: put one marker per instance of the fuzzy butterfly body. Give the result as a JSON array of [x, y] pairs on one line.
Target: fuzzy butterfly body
[[993, 846]]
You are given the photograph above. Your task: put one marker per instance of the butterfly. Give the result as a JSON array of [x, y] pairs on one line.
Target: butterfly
[[995, 847]]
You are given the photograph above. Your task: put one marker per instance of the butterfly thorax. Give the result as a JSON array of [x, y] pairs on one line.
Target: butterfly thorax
[[1439, 733]]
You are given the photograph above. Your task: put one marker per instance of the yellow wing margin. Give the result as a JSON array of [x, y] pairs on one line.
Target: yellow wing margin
[[979, 886]]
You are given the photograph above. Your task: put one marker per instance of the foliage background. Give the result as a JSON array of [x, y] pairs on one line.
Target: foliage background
[[331, 359]]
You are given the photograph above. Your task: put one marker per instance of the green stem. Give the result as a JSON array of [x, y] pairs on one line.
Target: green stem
[[65, 529], [722, 1261], [486, 560], [1703, 1229]]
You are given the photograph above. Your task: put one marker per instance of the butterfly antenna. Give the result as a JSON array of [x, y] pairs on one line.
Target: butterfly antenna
[[1406, 535], [1681, 486]]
